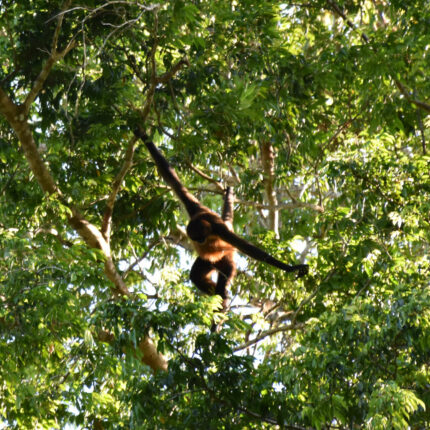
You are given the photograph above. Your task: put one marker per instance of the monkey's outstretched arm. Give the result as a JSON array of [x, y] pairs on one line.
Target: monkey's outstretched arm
[[192, 205], [258, 254]]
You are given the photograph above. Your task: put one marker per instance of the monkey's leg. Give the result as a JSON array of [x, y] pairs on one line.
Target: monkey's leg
[[200, 275], [226, 271]]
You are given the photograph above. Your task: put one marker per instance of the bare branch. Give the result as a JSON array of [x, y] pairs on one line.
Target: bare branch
[[57, 32], [54, 233], [293, 318], [89, 233], [179, 237], [234, 176], [113, 275], [137, 259], [200, 372], [116, 29], [295, 204], [8, 182], [150, 355], [306, 300], [257, 416], [151, 91], [423, 136], [17, 119]]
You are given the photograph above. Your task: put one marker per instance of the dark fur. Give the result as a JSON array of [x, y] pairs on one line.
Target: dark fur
[[212, 235]]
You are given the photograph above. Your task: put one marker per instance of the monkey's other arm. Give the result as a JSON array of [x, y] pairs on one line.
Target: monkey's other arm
[[192, 205]]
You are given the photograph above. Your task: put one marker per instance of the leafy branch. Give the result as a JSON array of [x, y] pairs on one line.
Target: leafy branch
[[17, 117]]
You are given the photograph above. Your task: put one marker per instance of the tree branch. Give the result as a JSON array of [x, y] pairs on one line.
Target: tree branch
[[408, 97], [200, 373], [306, 300], [17, 117], [179, 237], [154, 80], [128, 161], [151, 356], [340, 12], [88, 232], [207, 177], [268, 162], [172, 72], [53, 58], [288, 206]]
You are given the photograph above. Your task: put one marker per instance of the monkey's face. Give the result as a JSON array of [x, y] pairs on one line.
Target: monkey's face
[[199, 229]]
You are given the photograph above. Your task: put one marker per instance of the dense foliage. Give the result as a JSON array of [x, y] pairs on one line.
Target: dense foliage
[[315, 112]]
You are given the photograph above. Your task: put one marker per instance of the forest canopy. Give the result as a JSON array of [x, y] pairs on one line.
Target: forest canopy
[[316, 113]]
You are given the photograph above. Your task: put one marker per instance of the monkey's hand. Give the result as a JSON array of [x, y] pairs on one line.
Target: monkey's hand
[[302, 270], [140, 133]]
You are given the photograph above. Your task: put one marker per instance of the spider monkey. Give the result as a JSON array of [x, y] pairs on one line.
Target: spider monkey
[[212, 236]]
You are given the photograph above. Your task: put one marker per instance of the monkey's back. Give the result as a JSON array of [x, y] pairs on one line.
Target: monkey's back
[[213, 249]]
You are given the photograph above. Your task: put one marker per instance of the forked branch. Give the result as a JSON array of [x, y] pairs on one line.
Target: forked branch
[[155, 80], [54, 57]]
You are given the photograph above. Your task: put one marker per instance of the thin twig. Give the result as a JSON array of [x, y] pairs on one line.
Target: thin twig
[[267, 333], [340, 12], [311, 296], [116, 29], [99, 8], [207, 177], [138, 260]]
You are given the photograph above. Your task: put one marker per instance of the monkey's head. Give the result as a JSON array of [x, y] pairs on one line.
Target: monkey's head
[[199, 229]]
